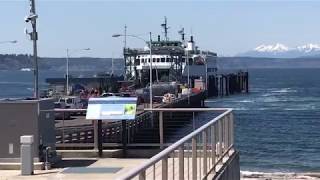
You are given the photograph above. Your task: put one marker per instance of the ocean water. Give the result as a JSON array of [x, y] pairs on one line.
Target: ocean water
[[277, 123], [19, 84]]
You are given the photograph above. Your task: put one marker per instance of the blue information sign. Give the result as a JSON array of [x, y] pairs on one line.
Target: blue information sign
[[112, 108]]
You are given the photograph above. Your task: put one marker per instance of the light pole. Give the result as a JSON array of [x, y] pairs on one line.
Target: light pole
[[206, 66], [32, 18], [67, 66], [188, 73], [150, 53]]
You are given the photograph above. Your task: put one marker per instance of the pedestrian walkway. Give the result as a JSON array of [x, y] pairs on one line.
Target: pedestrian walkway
[[78, 169]]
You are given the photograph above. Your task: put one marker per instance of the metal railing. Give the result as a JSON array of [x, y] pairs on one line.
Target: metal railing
[[199, 155], [82, 133]]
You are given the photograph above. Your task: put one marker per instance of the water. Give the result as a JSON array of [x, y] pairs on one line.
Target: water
[[19, 84], [277, 124]]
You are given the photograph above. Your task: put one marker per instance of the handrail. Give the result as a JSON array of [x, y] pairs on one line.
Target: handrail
[[188, 109], [63, 110], [133, 173], [67, 131]]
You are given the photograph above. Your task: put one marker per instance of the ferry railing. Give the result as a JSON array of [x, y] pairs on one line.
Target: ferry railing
[[198, 155]]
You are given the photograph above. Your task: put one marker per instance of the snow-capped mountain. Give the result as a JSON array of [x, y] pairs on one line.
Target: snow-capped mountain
[[282, 51], [309, 48], [272, 48]]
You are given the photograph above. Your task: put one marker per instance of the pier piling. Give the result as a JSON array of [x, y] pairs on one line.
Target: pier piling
[[228, 84]]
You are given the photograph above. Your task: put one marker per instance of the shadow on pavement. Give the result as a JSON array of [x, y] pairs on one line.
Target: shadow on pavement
[[74, 163]]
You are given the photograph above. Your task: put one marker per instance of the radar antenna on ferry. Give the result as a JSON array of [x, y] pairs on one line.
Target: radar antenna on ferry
[[181, 32], [165, 27]]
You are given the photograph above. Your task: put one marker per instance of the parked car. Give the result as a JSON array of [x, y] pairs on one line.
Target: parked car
[[72, 102], [61, 115], [109, 94]]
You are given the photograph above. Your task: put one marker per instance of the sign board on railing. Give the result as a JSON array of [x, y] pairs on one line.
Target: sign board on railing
[[112, 108]]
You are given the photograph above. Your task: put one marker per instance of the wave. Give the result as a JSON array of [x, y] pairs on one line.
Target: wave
[[245, 101], [210, 101], [241, 109], [301, 109], [279, 175], [267, 94], [270, 99], [284, 90], [14, 83]]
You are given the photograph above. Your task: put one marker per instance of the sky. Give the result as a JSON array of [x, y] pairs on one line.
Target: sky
[[227, 27]]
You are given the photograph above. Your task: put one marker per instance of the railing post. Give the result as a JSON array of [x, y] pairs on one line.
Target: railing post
[[205, 134], [194, 158], [63, 127], [130, 126], [161, 129], [181, 163], [95, 134], [194, 127], [220, 137], [142, 175], [232, 128], [227, 131], [100, 139], [165, 168], [124, 135], [225, 145], [213, 146]]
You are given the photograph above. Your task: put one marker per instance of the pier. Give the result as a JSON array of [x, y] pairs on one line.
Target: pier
[[168, 127], [79, 133]]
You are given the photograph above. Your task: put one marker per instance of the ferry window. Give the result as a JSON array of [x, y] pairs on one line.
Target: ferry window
[[168, 59], [148, 59], [153, 59], [158, 59], [142, 60], [137, 61], [163, 60], [69, 101]]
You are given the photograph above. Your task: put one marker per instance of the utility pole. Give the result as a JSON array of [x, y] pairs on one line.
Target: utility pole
[[34, 37], [124, 53], [67, 73], [188, 75], [151, 101], [125, 37], [112, 71]]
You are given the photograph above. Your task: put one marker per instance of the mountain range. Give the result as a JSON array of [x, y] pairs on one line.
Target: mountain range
[[25, 61], [279, 50]]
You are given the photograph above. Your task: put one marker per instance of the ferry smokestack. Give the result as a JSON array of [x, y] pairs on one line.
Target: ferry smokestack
[[159, 38], [191, 38], [182, 37]]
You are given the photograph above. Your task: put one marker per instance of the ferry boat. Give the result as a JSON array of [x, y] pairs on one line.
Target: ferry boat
[[172, 60]]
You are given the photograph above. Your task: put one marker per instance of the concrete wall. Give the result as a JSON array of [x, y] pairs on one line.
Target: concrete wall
[[21, 118]]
